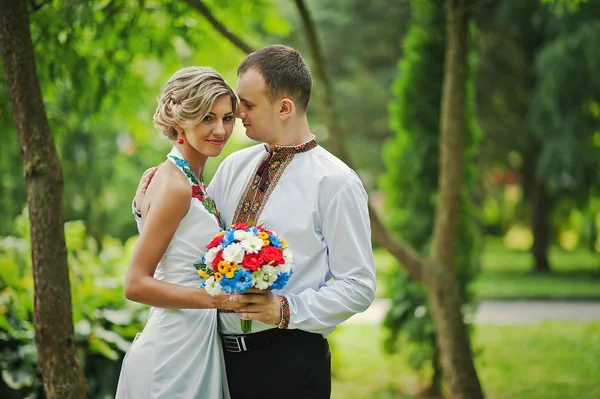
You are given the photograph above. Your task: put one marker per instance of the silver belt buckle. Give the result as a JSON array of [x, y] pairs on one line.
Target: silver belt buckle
[[235, 343]]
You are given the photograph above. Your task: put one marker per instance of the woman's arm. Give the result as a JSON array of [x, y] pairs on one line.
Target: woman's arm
[[169, 205]]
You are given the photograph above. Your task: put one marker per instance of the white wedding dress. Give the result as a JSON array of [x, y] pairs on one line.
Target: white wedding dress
[[178, 355]]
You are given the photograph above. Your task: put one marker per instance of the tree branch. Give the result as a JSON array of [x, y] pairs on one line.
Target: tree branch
[[205, 11], [36, 7], [413, 262]]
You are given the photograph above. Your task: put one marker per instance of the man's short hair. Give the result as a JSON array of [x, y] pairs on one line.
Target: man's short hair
[[285, 72]]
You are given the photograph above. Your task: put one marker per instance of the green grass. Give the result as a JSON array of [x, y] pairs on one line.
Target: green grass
[[532, 286], [497, 258], [545, 361], [506, 274]]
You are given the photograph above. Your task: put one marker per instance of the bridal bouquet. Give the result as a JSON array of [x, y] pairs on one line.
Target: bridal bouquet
[[242, 257]]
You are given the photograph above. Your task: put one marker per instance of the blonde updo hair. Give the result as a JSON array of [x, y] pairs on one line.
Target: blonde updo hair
[[188, 96]]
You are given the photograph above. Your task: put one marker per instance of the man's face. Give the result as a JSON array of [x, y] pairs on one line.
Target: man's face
[[258, 115]]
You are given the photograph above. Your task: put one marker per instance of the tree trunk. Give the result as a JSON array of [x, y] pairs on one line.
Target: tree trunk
[[535, 189], [435, 389], [541, 230], [58, 362], [452, 334]]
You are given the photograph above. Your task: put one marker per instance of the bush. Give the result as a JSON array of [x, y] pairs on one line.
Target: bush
[[105, 322]]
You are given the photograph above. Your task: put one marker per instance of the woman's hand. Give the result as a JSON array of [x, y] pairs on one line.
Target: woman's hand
[[143, 186], [229, 302]]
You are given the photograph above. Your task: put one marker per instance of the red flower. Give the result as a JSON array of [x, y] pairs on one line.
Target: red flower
[[252, 261], [272, 254], [217, 259], [215, 241], [197, 192], [240, 226]]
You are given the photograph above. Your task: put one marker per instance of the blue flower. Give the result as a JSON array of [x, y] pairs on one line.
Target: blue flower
[[228, 285], [228, 238], [242, 280], [275, 241], [202, 283], [252, 230], [281, 281]]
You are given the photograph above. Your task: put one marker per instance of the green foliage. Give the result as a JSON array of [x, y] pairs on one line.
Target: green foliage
[[101, 64], [567, 99], [360, 45], [104, 321], [410, 182], [539, 361], [538, 91]]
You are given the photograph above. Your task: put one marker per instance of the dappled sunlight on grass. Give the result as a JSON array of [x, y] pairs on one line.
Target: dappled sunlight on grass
[[544, 361], [497, 258], [362, 369], [548, 360]]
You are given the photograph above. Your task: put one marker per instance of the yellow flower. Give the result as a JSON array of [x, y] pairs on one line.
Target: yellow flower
[[263, 236], [220, 233], [203, 274], [218, 276], [266, 243], [232, 264], [229, 274], [222, 266], [283, 243]]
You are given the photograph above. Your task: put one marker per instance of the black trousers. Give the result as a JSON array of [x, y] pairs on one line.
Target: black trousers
[[294, 365]]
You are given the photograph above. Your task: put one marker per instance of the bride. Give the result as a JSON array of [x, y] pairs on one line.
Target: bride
[[178, 354]]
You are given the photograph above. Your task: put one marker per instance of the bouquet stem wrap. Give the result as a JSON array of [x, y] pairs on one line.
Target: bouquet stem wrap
[[246, 326]]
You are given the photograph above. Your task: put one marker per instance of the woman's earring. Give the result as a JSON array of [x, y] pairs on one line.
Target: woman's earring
[[180, 141]]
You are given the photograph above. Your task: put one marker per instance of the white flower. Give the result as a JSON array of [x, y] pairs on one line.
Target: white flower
[[252, 244], [211, 254], [264, 277], [286, 267], [287, 256], [212, 286], [234, 252], [242, 235]]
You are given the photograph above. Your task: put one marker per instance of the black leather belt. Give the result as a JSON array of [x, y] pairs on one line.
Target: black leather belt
[[263, 339]]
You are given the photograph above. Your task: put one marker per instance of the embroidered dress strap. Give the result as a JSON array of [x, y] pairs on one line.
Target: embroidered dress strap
[[264, 179], [198, 187]]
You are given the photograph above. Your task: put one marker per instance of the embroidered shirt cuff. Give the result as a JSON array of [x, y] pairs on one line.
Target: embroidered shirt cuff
[[285, 313]]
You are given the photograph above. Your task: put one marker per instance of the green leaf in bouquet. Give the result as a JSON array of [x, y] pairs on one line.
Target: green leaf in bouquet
[[204, 268]]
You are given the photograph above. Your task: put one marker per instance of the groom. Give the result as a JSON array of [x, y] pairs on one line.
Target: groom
[[318, 204]]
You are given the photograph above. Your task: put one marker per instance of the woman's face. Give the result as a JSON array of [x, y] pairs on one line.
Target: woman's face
[[210, 135]]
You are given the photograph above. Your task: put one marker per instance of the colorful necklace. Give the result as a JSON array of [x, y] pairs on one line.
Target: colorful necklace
[[199, 189]]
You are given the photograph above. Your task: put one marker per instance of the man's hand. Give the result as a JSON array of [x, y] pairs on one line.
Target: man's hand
[[262, 305], [144, 182]]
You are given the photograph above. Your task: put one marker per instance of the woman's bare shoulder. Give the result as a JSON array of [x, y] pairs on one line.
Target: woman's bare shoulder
[[170, 189]]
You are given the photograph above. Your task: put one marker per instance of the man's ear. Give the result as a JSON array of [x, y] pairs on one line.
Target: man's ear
[[286, 107]]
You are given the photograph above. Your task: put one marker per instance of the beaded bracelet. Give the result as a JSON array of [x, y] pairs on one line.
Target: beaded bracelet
[[285, 312]]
